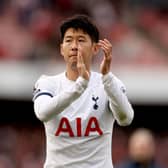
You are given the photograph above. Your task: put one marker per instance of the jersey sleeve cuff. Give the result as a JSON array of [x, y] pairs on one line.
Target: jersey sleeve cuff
[[107, 78], [82, 82], [81, 85]]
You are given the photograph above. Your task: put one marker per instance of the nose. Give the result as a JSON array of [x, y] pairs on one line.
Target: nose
[[74, 45]]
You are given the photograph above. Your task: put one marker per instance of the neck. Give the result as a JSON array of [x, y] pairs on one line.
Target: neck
[[72, 74]]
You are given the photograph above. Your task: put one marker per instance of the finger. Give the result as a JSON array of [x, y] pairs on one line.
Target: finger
[[80, 58], [106, 49], [79, 55], [105, 43]]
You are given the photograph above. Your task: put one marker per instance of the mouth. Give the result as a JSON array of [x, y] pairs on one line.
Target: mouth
[[73, 55], [73, 58]]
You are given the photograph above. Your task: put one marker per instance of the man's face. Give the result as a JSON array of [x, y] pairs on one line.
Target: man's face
[[75, 40]]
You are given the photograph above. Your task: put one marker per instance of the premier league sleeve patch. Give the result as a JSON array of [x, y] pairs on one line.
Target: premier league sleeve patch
[[123, 89]]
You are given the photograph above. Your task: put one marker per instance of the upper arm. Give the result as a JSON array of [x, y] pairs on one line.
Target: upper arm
[[43, 87]]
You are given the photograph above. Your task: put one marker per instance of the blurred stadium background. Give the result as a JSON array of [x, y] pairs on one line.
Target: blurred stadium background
[[29, 47]]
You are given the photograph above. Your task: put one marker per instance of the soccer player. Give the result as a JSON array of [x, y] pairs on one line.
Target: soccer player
[[78, 106]]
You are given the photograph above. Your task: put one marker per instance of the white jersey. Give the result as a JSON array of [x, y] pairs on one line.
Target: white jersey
[[78, 117]]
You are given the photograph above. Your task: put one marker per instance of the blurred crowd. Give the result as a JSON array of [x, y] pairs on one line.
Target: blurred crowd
[[24, 146], [29, 29], [141, 150], [21, 147]]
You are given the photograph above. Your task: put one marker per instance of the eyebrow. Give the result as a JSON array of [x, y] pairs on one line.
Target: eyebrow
[[80, 36], [68, 36]]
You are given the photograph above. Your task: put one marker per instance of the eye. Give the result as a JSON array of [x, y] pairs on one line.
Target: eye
[[81, 40], [68, 40]]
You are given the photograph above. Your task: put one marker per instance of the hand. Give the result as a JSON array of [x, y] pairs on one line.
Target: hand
[[106, 46], [83, 72]]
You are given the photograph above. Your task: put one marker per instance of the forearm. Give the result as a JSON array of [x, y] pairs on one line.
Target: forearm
[[46, 107], [119, 104]]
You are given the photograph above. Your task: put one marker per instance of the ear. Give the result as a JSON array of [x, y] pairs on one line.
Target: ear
[[95, 48]]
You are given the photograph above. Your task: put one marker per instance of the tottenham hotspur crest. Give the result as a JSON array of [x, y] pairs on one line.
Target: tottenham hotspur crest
[[95, 106]]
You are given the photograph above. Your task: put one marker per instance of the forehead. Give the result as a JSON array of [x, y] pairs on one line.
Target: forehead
[[75, 32]]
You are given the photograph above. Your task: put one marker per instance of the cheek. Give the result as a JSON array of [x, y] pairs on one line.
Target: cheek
[[63, 51], [63, 54]]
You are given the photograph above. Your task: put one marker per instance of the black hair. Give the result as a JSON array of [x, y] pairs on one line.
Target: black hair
[[82, 22]]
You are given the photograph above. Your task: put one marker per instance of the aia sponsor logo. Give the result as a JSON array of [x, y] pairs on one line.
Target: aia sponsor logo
[[65, 128]]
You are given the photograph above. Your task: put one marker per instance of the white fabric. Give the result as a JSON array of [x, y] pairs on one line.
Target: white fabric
[[82, 107]]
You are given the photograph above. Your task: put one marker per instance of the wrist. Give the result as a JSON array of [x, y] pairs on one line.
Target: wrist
[[107, 77], [82, 81]]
